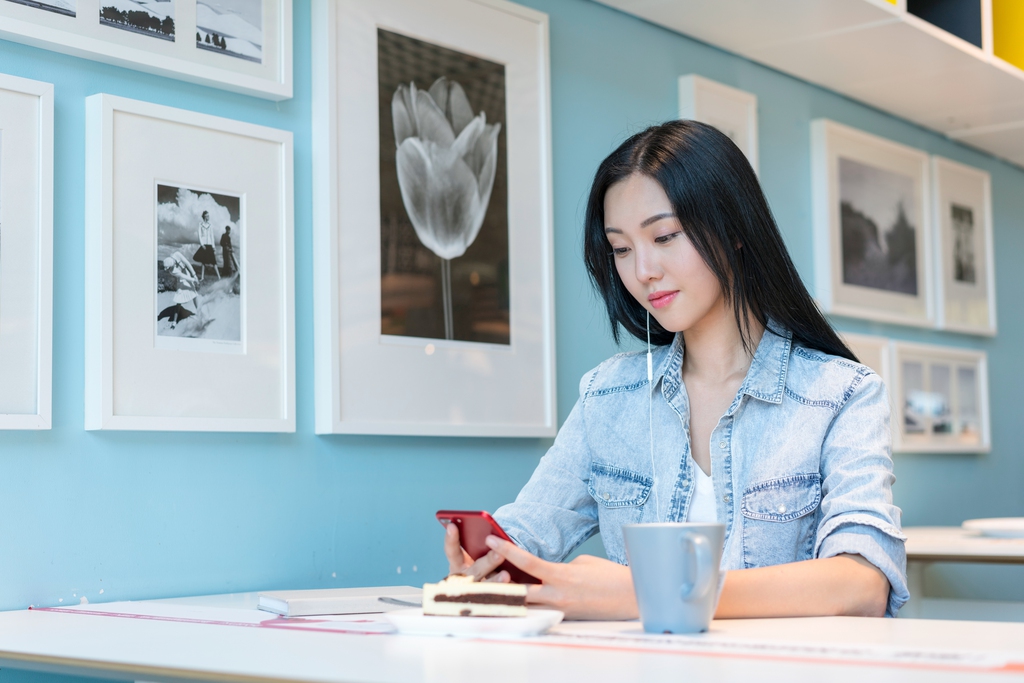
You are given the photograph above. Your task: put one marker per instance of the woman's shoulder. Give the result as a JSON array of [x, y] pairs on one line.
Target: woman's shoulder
[[625, 371], [817, 376]]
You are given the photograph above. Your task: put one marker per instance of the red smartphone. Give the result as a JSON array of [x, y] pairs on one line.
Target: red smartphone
[[474, 526]]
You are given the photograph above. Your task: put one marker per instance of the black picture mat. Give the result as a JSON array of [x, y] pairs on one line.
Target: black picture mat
[[411, 287]]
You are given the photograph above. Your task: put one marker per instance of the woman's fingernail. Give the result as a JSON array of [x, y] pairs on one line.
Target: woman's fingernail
[[492, 541], [451, 530]]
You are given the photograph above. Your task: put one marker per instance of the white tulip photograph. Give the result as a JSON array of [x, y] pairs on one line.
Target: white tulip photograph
[[68, 8], [443, 193], [199, 297], [231, 27]]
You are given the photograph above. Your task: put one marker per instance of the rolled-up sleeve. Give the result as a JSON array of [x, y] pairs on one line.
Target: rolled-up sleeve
[[554, 513], [858, 516]]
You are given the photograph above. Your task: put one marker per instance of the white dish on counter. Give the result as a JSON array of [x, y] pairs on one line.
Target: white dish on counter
[[997, 527]]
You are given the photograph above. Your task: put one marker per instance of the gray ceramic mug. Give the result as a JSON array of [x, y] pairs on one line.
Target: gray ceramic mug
[[675, 573]]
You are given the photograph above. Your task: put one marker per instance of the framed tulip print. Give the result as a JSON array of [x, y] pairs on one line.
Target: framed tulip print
[[189, 275], [872, 242], [432, 195], [239, 45], [26, 252], [965, 275]]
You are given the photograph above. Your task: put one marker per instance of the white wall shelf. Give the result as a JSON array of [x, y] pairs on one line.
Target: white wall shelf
[[869, 50]]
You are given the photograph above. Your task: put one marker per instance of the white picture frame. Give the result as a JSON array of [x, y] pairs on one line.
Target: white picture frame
[[26, 253], [132, 381], [730, 110], [369, 382], [877, 181], [81, 33], [965, 280], [941, 397]]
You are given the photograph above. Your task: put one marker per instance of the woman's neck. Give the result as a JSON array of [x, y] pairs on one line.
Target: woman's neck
[[714, 347]]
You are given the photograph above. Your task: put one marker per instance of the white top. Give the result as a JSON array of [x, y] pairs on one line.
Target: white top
[[702, 504]]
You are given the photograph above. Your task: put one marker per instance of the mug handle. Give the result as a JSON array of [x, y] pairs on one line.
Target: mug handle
[[702, 549]]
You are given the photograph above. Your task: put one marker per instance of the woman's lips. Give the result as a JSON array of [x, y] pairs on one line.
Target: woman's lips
[[662, 299]]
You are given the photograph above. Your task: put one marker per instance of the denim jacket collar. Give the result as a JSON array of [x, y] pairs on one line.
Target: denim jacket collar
[[766, 378]]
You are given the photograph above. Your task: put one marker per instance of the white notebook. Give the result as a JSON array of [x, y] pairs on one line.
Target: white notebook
[[340, 600]]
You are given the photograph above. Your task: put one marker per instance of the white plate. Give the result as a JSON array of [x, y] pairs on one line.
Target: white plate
[[414, 622], [997, 527]]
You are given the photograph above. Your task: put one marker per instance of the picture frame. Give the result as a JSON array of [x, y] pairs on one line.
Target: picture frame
[[941, 396], [965, 290], [176, 338], [415, 333], [862, 183], [244, 46], [730, 110], [26, 253]]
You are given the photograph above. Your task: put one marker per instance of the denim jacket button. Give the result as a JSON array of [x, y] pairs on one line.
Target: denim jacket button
[[727, 498], [782, 509], [722, 444], [606, 496]]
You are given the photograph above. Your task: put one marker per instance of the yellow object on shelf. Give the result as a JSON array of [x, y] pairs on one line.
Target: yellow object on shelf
[[1008, 31]]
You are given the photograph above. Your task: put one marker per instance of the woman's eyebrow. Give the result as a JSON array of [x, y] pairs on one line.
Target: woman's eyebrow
[[655, 218]]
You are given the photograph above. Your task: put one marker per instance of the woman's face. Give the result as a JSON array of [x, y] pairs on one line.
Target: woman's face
[[655, 260]]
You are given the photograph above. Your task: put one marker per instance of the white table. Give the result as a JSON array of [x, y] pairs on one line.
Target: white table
[[926, 545], [748, 650]]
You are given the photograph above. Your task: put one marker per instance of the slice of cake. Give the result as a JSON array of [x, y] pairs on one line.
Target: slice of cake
[[461, 596]]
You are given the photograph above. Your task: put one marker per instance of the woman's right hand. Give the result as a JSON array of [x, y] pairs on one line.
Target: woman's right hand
[[459, 561]]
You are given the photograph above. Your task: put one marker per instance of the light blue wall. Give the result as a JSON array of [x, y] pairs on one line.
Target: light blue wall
[[111, 516]]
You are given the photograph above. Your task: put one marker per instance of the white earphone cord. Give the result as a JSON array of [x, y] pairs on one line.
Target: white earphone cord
[[650, 418]]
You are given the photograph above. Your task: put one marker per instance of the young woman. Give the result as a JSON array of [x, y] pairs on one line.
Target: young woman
[[205, 255], [758, 415]]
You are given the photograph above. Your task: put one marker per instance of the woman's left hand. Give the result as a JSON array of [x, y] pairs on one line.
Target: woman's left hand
[[586, 588]]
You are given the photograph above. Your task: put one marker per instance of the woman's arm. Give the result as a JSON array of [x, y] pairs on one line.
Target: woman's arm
[[844, 585], [594, 588]]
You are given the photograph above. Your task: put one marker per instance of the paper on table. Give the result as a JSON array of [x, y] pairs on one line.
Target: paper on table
[[631, 636], [226, 616]]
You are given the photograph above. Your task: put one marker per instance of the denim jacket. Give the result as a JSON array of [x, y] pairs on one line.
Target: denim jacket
[[800, 462]]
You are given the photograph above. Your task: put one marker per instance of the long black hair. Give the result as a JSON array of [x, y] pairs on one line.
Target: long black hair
[[717, 198]]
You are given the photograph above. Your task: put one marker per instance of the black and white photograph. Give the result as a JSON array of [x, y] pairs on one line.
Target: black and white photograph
[[443, 193], [962, 224], [153, 18], [199, 300], [68, 8], [879, 226], [231, 27]]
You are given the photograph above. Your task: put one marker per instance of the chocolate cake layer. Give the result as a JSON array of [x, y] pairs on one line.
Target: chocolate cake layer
[[483, 599]]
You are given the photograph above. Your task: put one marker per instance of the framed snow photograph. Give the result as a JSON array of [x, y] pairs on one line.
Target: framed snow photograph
[[432, 219], [941, 394], [965, 276], [730, 110], [26, 252], [239, 45], [872, 246], [189, 271]]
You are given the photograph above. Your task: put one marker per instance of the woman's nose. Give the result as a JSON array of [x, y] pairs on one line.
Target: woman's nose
[[647, 267]]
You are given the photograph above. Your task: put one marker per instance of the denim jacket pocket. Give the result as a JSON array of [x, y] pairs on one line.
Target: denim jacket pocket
[[778, 524], [620, 496]]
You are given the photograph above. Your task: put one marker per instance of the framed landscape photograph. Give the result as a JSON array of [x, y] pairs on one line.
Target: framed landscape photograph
[[189, 271], [941, 395], [730, 110], [965, 275], [872, 241], [432, 226], [239, 45], [26, 252]]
